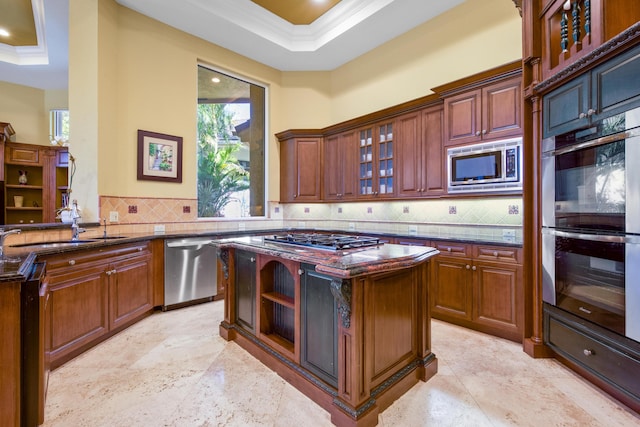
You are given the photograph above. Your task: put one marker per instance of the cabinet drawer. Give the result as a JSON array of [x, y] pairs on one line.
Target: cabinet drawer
[[453, 248], [596, 352], [79, 258], [498, 253], [23, 154]]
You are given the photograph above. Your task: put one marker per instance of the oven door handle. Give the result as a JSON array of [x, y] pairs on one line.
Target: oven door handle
[[608, 238], [595, 142]]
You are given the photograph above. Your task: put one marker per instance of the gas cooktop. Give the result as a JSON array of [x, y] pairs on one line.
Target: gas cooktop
[[324, 241]]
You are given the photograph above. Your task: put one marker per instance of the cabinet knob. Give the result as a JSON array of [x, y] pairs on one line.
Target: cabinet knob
[[295, 195], [108, 272], [300, 272], [582, 115], [473, 268], [468, 266], [495, 254], [448, 249], [477, 133], [588, 352], [484, 131], [252, 259], [591, 112], [72, 262]]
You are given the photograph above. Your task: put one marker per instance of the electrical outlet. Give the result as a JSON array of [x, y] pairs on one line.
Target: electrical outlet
[[509, 235], [301, 224], [113, 216], [352, 226], [158, 229], [413, 230], [242, 226]]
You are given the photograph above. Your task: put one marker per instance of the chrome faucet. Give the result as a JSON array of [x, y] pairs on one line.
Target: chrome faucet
[[75, 215], [3, 235]]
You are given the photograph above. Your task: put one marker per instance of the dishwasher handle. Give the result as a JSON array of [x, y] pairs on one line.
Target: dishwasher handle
[[189, 244]]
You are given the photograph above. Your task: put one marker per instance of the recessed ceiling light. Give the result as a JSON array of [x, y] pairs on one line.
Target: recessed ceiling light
[[4, 33], [215, 80]]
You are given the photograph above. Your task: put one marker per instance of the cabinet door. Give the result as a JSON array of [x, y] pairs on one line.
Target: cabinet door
[[463, 118], [319, 326], [502, 109], [340, 166], [411, 156], [433, 173], [79, 301], [245, 289], [300, 169], [566, 107], [497, 298], [376, 158], [615, 86], [451, 292], [130, 289]]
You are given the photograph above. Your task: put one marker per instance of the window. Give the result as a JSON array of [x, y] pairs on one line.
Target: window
[[59, 125], [231, 146]]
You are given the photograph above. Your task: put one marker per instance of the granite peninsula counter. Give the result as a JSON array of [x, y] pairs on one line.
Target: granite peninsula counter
[[349, 328]]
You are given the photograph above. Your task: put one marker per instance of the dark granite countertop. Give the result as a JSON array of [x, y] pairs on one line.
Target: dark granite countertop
[[24, 256], [338, 263]]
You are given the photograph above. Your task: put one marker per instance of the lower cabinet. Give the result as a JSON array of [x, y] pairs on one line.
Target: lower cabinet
[[318, 325], [605, 358], [245, 289], [479, 287], [94, 293]]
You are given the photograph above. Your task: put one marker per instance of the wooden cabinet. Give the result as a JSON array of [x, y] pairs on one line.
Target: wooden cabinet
[[278, 287], [489, 112], [46, 173], [480, 287], [245, 289], [376, 158], [605, 358], [339, 166], [421, 160], [611, 88], [567, 35], [318, 325], [300, 168], [95, 293]]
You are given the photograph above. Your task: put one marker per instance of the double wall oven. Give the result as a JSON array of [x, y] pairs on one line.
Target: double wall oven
[[591, 223]]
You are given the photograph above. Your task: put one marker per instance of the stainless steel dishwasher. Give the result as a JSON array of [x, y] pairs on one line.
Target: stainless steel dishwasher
[[190, 268]]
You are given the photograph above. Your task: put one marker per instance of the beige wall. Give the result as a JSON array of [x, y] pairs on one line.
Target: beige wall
[[129, 72], [24, 107], [473, 37]]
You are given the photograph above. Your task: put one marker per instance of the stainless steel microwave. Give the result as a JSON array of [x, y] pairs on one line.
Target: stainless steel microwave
[[490, 166]]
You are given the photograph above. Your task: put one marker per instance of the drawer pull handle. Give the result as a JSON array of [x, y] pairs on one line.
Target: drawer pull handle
[[588, 352], [584, 310], [495, 254], [72, 262]]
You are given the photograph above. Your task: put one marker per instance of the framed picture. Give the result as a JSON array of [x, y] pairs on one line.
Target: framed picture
[[159, 157]]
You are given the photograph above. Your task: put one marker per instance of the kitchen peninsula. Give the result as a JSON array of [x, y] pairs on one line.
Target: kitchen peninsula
[[348, 326]]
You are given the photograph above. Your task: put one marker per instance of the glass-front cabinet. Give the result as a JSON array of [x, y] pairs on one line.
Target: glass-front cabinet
[[376, 157]]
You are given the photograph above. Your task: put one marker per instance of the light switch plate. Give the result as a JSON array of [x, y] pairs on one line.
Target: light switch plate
[[113, 216]]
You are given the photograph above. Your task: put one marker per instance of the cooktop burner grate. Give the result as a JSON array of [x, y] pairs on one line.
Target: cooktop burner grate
[[325, 241]]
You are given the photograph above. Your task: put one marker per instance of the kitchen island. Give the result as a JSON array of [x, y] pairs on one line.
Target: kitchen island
[[348, 326]]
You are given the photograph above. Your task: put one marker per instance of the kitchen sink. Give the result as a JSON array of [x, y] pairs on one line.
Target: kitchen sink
[[54, 244]]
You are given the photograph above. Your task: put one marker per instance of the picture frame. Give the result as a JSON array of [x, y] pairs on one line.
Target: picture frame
[[159, 157]]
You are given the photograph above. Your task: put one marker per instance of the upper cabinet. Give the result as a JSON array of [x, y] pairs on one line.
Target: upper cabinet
[[376, 156], [300, 167], [36, 179], [339, 166], [420, 153], [571, 29], [489, 112], [608, 89]]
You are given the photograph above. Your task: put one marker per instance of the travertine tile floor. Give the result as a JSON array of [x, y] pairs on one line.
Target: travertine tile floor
[[172, 369]]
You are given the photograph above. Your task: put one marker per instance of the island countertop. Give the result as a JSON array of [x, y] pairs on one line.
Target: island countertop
[[346, 263]]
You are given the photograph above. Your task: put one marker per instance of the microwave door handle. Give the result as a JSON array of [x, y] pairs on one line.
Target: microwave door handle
[[598, 141], [608, 238]]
